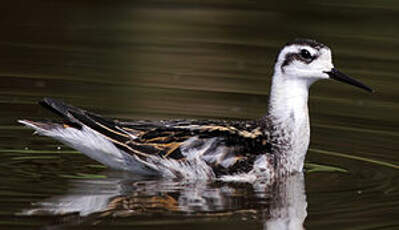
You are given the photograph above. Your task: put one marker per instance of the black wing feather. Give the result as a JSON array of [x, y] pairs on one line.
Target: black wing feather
[[164, 138]]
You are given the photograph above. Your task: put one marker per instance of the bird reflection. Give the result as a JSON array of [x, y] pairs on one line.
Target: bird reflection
[[280, 205]]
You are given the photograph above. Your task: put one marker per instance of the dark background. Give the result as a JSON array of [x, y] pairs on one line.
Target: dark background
[[203, 59]]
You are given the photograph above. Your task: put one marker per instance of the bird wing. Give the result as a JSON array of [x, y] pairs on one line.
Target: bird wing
[[225, 145]]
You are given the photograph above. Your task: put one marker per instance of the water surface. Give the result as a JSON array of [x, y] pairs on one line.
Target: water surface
[[201, 60]]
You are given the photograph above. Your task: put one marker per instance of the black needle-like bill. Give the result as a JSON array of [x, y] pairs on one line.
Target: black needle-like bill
[[339, 76]]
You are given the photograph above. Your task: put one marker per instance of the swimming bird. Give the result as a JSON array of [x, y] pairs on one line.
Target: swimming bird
[[271, 146]]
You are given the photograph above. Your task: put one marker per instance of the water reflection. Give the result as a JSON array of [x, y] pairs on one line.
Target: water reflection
[[281, 205]]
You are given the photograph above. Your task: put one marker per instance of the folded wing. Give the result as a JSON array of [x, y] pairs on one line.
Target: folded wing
[[227, 146]]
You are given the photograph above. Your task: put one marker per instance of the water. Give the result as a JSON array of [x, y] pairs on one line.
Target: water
[[188, 59]]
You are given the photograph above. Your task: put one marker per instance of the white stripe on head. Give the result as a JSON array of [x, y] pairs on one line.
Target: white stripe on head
[[291, 60]]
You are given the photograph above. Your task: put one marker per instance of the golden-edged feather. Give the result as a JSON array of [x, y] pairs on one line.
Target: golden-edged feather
[[236, 143]]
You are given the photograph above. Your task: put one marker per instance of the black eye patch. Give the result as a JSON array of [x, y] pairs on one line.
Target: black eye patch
[[305, 54]]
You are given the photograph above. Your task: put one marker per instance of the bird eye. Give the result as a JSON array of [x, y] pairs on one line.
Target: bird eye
[[306, 54]]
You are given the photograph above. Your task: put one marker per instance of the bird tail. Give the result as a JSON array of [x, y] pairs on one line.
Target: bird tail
[[97, 137]]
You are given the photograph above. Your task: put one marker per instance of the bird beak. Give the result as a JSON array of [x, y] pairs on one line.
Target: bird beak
[[336, 75]]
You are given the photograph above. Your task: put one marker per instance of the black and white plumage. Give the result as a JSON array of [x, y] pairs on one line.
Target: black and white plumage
[[274, 145], [174, 148]]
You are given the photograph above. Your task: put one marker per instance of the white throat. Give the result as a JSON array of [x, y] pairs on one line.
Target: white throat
[[288, 108]]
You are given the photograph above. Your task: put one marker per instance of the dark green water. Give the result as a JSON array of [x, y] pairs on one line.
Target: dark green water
[[196, 59]]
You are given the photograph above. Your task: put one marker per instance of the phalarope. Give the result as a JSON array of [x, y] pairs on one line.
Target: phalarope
[[271, 146]]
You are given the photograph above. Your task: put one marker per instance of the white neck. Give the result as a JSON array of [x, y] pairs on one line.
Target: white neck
[[289, 112]]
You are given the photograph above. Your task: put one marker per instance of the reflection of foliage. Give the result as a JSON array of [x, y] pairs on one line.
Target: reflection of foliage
[[83, 176], [312, 167], [358, 158]]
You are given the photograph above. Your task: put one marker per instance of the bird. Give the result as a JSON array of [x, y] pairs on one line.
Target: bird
[[269, 147]]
